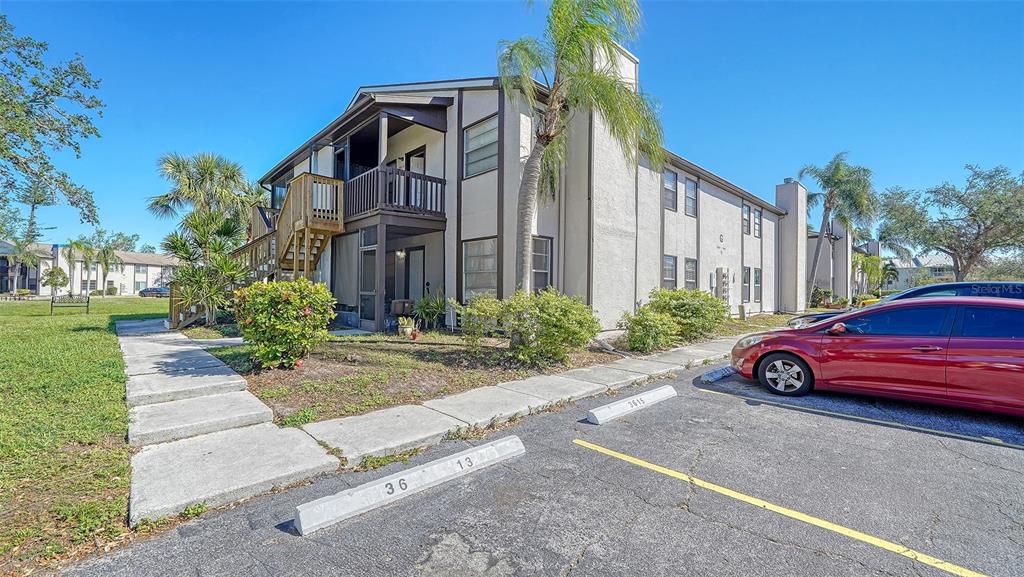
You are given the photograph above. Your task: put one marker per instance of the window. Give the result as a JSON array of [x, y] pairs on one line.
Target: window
[[140, 285], [919, 321], [746, 284], [88, 286], [691, 197], [757, 285], [758, 214], [690, 273], [140, 269], [368, 236], [668, 271], [669, 190], [992, 323], [541, 263], [481, 147], [746, 219], [480, 268]]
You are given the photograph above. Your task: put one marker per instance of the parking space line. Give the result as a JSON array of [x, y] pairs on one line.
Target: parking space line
[[988, 440], [791, 513]]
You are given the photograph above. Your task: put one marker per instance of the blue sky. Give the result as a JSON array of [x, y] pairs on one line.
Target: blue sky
[[751, 91]]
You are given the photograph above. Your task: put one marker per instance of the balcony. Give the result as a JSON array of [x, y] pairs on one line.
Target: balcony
[[393, 189]]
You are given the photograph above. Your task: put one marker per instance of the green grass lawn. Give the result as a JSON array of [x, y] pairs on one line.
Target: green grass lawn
[[64, 463]]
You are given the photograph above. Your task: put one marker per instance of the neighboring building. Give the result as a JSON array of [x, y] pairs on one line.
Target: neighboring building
[[25, 276], [924, 269], [835, 263], [140, 270], [413, 190]]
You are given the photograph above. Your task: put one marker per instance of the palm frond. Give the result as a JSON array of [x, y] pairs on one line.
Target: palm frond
[[519, 63]]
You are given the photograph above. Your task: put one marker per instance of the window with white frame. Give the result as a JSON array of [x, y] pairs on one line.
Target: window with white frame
[[690, 273], [746, 219], [479, 268], [89, 285], [481, 147], [691, 197], [757, 285], [670, 192], [140, 269], [140, 285], [758, 217], [668, 271], [746, 284], [541, 263]]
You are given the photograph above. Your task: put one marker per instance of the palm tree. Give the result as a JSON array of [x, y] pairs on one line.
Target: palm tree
[[572, 70], [847, 196], [106, 256], [88, 252], [890, 240], [204, 244], [204, 182], [22, 252], [890, 273], [70, 253]]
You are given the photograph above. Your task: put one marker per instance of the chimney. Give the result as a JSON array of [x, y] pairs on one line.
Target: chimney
[[787, 180]]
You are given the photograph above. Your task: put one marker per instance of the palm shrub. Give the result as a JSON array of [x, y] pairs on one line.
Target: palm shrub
[[204, 244], [648, 330], [697, 314], [284, 321], [429, 308]]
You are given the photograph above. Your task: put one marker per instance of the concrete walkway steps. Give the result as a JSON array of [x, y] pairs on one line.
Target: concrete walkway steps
[[205, 438], [220, 468], [162, 422], [166, 387]]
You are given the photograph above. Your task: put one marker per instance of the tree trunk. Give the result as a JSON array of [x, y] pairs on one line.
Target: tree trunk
[[211, 316], [826, 210], [525, 217], [17, 271], [104, 287]]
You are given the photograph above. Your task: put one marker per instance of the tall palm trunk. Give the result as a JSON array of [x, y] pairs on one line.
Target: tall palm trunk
[[825, 213], [526, 214]]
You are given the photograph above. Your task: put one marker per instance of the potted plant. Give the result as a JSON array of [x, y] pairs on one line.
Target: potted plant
[[406, 326]]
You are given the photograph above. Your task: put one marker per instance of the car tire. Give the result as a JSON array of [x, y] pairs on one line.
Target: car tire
[[785, 374]]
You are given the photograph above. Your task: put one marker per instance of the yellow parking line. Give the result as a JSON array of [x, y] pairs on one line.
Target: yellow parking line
[[989, 440], [851, 533]]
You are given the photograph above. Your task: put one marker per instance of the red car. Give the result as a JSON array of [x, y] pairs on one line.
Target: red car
[[959, 351]]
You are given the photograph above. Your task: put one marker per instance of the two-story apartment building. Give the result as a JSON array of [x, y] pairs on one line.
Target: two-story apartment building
[[413, 190], [140, 270]]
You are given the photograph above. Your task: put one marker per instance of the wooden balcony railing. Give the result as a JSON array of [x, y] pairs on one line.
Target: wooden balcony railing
[[263, 220], [312, 201], [394, 189], [259, 255]]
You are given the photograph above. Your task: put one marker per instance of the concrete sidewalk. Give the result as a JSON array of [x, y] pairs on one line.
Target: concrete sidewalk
[[398, 429]]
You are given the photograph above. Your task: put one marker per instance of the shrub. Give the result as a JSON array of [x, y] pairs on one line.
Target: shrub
[[478, 318], [542, 328], [697, 314], [96, 293], [111, 290], [545, 326], [858, 300], [648, 330], [284, 321], [842, 302], [820, 297]]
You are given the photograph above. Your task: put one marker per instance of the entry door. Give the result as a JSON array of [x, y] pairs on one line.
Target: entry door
[[985, 363], [416, 161], [414, 274], [899, 351], [368, 289]]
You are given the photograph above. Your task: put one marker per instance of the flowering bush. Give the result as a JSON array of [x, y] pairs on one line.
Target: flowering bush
[[284, 321]]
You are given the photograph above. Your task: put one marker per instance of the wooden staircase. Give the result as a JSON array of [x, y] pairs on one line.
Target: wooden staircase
[[311, 215]]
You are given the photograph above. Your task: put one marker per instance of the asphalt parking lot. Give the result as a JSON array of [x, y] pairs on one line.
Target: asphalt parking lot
[[725, 479]]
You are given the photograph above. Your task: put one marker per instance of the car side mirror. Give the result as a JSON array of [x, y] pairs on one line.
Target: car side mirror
[[837, 329]]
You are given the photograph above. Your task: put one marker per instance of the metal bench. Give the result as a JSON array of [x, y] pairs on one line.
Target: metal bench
[[78, 301]]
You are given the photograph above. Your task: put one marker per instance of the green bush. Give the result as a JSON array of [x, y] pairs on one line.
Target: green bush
[[95, 293], [284, 321], [648, 330], [842, 302], [111, 290], [697, 314], [542, 328], [429, 308], [820, 297]]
